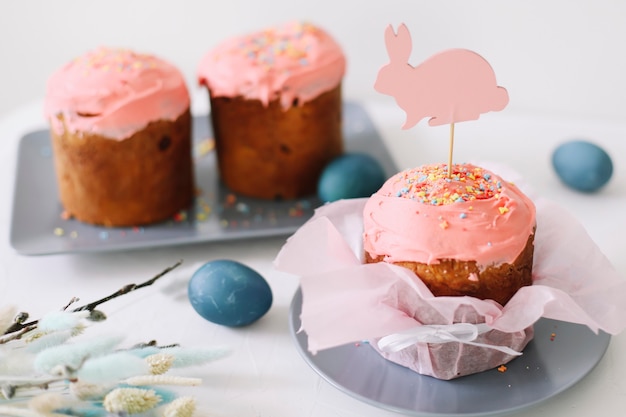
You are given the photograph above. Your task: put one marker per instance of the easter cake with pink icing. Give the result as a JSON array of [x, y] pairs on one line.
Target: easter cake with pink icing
[[468, 233], [121, 136], [276, 108]]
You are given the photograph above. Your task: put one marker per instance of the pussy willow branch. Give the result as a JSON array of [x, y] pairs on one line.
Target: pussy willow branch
[[16, 330], [126, 289], [16, 334]]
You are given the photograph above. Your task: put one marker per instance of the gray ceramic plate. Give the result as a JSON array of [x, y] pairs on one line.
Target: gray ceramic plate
[[217, 214], [550, 364]]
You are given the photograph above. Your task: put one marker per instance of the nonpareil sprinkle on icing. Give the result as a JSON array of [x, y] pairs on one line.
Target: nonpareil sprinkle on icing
[[296, 60], [114, 93], [422, 215], [431, 184]]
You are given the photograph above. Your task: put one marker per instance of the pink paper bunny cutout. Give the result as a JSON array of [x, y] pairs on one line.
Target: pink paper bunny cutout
[[452, 86]]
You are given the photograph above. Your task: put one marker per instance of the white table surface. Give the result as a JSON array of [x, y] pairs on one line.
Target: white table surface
[[265, 375]]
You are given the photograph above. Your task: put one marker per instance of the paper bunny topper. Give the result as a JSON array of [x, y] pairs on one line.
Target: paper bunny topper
[[452, 86]]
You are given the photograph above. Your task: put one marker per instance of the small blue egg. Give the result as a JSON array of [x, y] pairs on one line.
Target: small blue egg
[[229, 293], [351, 175], [582, 165]]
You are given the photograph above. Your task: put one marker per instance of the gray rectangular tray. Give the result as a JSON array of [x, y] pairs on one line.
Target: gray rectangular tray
[[37, 226]]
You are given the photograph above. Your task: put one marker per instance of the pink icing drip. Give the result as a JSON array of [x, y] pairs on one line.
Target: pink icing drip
[[293, 61], [114, 93], [491, 230]]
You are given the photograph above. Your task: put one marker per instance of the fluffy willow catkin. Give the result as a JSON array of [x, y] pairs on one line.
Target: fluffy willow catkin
[[180, 407], [160, 363], [48, 402], [42, 341], [185, 357], [61, 320], [112, 367], [130, 400], [74, 354]]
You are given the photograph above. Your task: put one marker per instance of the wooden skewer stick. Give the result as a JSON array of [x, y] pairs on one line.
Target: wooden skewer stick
[[450, 150]]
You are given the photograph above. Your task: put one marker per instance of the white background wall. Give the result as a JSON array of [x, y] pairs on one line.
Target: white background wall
[[557, 57]]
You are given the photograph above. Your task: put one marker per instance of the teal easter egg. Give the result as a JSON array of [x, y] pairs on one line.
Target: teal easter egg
[[582, 165], [229, 293], [352, 175]]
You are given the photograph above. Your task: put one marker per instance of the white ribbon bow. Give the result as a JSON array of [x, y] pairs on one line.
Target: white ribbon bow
[[440, 333]]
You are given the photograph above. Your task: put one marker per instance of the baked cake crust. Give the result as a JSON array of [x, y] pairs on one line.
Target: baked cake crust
[[453, 277], [140, 180], [272, 153]]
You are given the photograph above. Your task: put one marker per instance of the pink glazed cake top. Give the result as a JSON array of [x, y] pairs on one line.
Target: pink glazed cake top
[[422, 215], [294, 61], [114, 93]]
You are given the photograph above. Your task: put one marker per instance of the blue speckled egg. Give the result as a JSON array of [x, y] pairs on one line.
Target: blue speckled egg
[[229, 293], [351, 175], [582, 165]]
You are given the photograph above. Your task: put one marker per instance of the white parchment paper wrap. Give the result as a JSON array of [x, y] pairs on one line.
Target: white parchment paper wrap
[[347, 301]]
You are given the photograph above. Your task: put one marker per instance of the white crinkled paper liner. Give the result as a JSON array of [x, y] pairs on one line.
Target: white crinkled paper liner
[[346, 301]]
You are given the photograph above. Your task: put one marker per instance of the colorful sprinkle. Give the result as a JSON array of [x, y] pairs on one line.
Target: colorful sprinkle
[[431, 184], [270, 48], [204, 147], [295, 212], [58, 231], [45, 151], [303, 204], [502, 368], [231, 199], [181, 216], [242, 208], [121, 60]]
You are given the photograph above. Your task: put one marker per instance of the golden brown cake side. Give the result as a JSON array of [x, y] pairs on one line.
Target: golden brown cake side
[[140, 180], [452, 277], [271, 153]]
